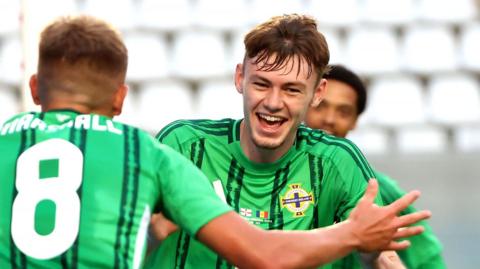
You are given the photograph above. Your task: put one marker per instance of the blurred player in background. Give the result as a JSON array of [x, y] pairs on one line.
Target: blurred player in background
[[276, 173], [77, 189], [344, 101]]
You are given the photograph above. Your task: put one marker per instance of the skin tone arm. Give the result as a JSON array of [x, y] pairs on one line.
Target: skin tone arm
[[369, 228]]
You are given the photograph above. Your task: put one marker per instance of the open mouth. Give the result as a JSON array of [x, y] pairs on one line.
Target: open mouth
[[270, 121]]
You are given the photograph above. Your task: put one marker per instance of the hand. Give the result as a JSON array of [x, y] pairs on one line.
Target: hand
[[161, 226], [377, 227], [389, 260]]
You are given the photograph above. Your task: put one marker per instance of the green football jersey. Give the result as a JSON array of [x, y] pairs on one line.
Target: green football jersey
[[425, 251], [317, 183], [77, 191]]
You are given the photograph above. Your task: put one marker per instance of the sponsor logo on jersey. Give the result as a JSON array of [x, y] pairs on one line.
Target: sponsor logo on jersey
[[297, 200]]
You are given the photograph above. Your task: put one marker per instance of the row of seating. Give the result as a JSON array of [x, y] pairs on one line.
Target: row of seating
[[174, 15], [195, 55]]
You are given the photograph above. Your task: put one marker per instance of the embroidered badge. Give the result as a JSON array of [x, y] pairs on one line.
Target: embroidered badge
[[296, 200]]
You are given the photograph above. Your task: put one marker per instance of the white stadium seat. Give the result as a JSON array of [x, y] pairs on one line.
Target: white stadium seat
[[198, 55], [396, 101], [9, 104], [446, 11], [372, 50], [381, 12], [429, 49], [148, 57], [163, 102], [165, 15], [469, 46], [425, 139], [219, 99], [454, 99]]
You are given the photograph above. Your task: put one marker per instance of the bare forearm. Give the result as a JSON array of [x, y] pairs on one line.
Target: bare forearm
[[311, 249], [251, 247]]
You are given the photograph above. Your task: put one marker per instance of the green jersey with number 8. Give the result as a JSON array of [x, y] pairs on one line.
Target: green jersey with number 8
[[77, 191]]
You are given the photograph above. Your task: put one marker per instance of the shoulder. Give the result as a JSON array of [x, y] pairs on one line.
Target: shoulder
[[186, 130], [321, 144]]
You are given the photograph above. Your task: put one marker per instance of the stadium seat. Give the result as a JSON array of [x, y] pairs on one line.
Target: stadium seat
[[9, 17], [9, 104], [371, 140], [467, 139], [388, 13], [199, 55], [469, 44], [372, 50], [219, 99], [148, 57], [339, 13], [129, 111], [429, 49], [454, 99], [165, 15], [424, 139], [396, 101], [11, 57], [446, 11], [262, 10], [336, 45], [162, 102], [220, 14], [121, 13]]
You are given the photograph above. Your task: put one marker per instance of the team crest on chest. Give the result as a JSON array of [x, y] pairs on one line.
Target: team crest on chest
[[296, 200]]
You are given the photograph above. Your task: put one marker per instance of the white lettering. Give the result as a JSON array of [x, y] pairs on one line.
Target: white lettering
[[82, 121], [96, 124], [24, 122], [111, 128]]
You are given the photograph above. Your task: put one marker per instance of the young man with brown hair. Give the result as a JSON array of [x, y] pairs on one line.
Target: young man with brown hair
[[276, 173]]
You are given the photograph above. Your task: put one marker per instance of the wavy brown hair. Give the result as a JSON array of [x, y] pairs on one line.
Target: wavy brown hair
[[285, 38]]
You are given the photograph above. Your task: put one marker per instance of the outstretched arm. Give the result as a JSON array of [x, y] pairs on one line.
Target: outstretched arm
[[369, 228]]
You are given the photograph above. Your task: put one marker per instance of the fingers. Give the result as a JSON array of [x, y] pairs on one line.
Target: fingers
[[409, 231], [371, 192], [398, 245], [412, 218], [402, 203]]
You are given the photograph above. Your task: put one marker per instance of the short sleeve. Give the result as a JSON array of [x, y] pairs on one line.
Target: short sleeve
[[187, 197]]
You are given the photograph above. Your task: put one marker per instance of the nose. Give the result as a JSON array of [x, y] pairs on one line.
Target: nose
[[273, 100], [329, 117]]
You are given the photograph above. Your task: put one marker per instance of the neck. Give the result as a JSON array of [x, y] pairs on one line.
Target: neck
[[259, 154]]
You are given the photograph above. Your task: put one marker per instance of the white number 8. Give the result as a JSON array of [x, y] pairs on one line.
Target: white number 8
[[62, 190]]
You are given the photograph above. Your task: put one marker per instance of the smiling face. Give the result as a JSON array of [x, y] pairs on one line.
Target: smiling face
[[275, 102], [337, 114]]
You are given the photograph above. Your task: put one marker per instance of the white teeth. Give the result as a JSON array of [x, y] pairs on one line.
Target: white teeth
[[270, 118]]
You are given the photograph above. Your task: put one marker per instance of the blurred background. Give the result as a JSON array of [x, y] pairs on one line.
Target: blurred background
[[419, 58]]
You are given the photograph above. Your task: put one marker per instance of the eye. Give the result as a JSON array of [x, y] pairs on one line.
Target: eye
[[260, 84], [293, 90]]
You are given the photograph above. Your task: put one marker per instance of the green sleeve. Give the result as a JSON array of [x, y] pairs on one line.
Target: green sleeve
[[349, 172], [425, 250], [187, 196]]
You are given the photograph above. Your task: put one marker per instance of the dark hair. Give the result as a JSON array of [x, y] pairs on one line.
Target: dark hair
[[345, 75], [285, 37]]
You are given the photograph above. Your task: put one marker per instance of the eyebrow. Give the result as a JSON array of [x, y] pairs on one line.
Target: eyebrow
[[296, 84]]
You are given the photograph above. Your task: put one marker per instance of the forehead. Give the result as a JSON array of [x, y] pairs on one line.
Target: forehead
[[293, 67], [340, 93]]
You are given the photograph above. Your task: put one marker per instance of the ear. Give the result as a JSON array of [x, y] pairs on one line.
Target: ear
[[33, 83], [239, 78], [319, 93], [118, 99]]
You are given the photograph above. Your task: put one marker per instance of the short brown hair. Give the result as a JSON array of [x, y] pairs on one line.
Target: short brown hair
[[83, 47], [287, 36]]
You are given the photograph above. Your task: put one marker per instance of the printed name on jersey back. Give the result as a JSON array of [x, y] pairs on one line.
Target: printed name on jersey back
[[28, 121]]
